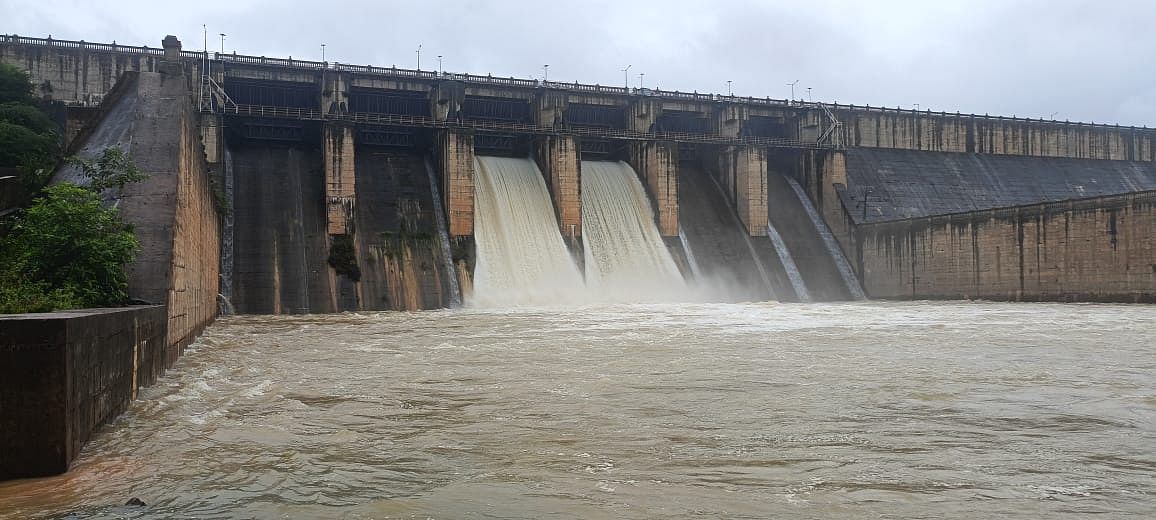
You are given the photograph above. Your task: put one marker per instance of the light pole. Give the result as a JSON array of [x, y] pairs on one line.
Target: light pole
[[419, 56], [545, 72], [809, 98], [640, 76], [792, 85], [222, 43], [729, 91], [322, 52], [916, 106], [626, 76], [439, 64]]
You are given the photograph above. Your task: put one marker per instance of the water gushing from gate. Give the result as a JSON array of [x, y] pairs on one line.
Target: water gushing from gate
[[521, 258], [626, 259]]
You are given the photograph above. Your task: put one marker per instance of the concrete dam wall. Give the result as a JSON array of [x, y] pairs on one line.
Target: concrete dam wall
[[354, 187]]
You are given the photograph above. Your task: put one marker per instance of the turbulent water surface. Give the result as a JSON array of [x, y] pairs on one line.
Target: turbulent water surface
[[862, 410]]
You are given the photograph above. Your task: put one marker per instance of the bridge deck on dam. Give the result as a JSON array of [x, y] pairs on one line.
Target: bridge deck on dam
[[901, 184], [309, 114]]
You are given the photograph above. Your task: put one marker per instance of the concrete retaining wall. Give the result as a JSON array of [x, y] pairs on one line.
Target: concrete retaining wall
[[1100, 249], [64, 374]]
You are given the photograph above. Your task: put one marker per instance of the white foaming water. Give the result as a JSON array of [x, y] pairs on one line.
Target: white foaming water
[[626, 259], [788, 263], [521, 258]]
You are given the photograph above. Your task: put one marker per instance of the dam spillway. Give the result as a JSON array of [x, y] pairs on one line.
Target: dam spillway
[[521, 258], [919, 204], [626, 258]]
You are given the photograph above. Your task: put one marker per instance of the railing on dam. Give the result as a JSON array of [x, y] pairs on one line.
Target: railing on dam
[[321, 66], [510, 127]]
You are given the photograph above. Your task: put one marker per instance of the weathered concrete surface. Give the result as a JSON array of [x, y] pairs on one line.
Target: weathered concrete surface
[[909, 184], [396, 236], [558, 158], [817, 267], [281, 239], [910, 130], [172, 211], [64, 374], [1098, 249], [340, 184], [454, 159], [657, 164], [726, 257], [743, 169], [72, 75]]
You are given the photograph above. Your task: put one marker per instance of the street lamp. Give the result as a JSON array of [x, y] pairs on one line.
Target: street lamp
[[809, 98], [729, 91], [222, 43], [322, 52], [626, 76], [792, 85], [545, 72], [439, 64], [640, 76], [419, 56]]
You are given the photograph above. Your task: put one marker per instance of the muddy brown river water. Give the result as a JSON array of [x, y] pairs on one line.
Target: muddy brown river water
[[863, 410]]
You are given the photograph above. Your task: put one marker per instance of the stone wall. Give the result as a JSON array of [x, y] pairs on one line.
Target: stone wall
[[1099, 249], [64, 374]]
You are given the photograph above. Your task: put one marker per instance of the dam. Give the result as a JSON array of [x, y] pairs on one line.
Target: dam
[[639, 303], [355, 187]]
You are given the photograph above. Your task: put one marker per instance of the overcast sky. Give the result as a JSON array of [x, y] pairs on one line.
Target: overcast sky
[[1080, 60]]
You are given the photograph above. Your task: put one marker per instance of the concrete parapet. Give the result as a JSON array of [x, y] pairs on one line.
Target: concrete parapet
[[657, 164], [64, 374]]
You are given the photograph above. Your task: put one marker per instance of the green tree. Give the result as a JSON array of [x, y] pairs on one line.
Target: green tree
[[14, 85], [113, 169], [68, 249]]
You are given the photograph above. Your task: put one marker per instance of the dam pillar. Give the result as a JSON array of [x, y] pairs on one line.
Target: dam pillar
[[334, 93], [744, 170], [558, 158], [643, 114], [337, 153], [657, 163], [549, 106], [455, 164], [730, 118], [446, 100], [212, 136]]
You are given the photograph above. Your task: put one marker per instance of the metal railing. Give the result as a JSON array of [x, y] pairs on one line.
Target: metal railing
[[529, 83], [507, 127]]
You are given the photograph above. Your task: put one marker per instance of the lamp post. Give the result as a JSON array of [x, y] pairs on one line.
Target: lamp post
[[439, 64], [419, 56], [323, 52], [545, 72], [626, 76], [729, 91], [809, 98], [222, 43], [792, 85]]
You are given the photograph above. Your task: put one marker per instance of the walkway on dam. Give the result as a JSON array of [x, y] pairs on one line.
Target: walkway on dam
[[309, 114]]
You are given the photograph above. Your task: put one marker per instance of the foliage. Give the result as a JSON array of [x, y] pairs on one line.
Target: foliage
[[65, 250], [29, 117], [14, 85], [29, 140], [343, 257], [113, 169], [34, 154]]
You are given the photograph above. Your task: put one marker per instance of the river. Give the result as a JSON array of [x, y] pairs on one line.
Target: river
[[858, 410]]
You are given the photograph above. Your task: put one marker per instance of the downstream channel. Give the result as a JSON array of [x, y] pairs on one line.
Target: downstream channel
[[855, 410]]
